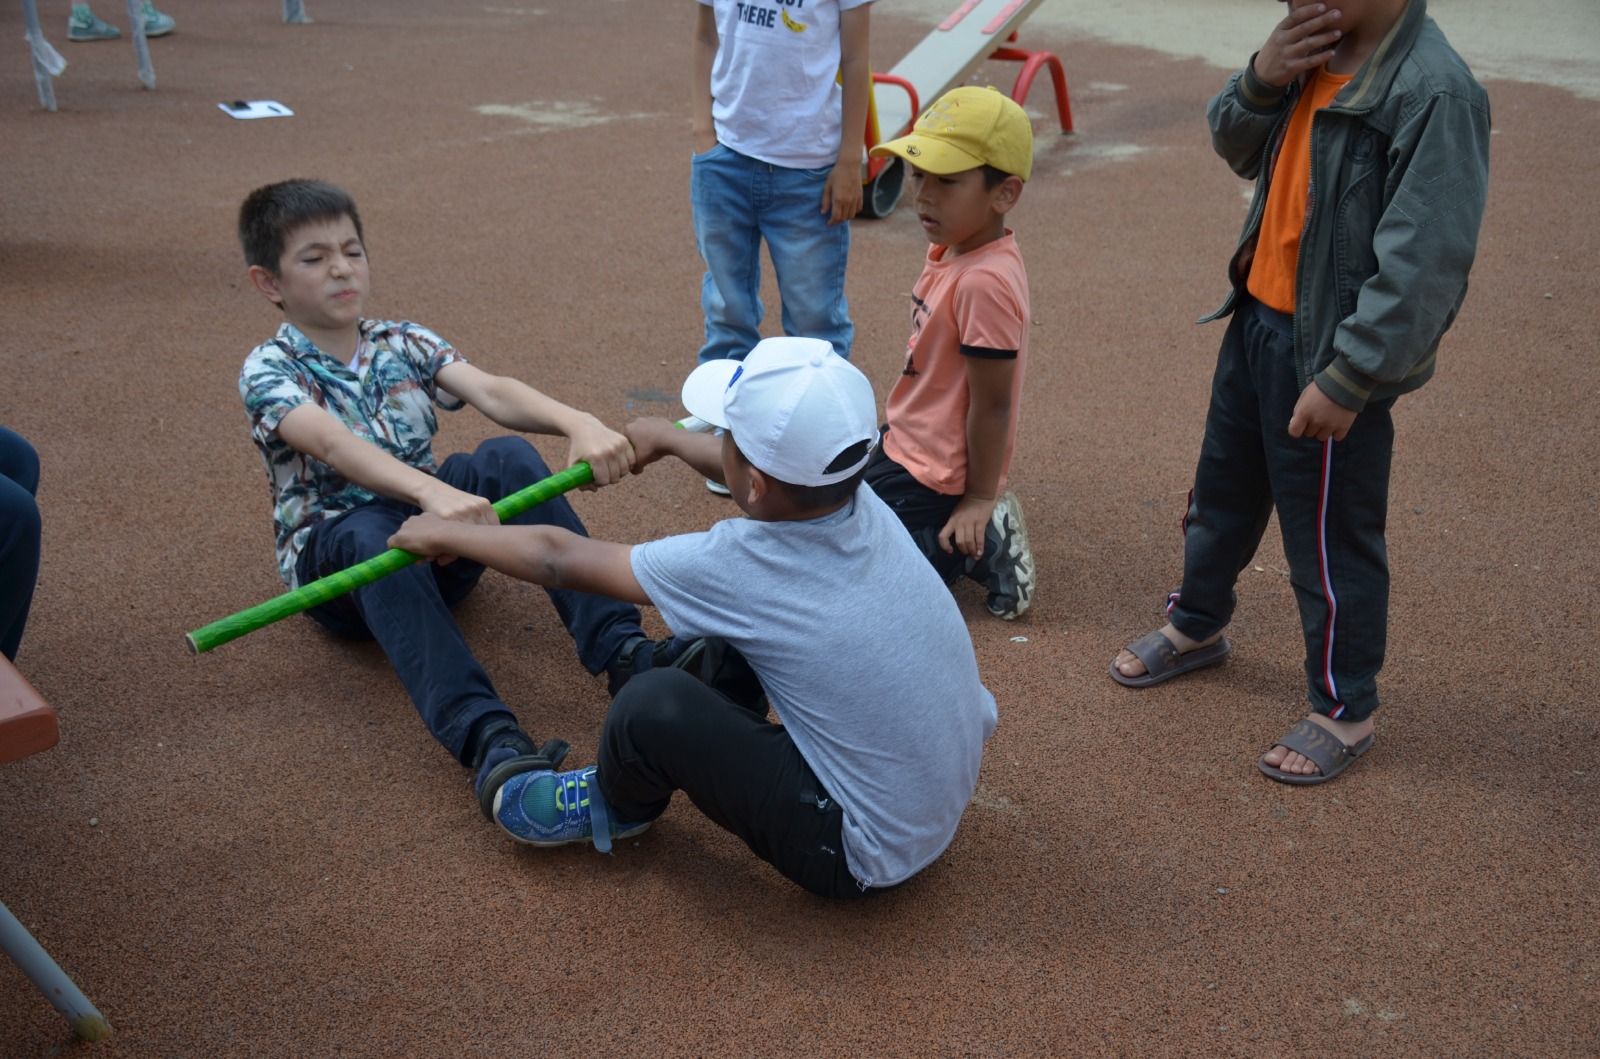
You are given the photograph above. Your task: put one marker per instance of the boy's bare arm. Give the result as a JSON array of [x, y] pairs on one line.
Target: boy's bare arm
[[545, 555], [517, 406], [988, 425], [654, 438], [705, 54], [314, 431], [841, 198]]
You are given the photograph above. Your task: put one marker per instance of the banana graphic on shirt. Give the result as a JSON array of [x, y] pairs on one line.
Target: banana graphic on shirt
[[798, 27]]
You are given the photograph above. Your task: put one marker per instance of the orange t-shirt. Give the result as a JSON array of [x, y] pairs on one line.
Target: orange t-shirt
[[1272, 273], [971, 305]]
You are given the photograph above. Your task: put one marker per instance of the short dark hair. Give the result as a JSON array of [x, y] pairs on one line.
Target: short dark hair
[[271, 213], [993, 178], [810, 497], [813, 496]]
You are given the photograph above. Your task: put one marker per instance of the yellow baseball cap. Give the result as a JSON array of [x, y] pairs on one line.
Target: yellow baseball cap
[[968, 127]]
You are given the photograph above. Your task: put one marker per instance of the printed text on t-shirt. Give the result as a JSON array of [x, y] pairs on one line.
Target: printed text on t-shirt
[[768, 16]]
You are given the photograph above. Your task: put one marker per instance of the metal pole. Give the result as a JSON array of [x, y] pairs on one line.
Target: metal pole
[[47, 62], [66, 997], [141, 46]]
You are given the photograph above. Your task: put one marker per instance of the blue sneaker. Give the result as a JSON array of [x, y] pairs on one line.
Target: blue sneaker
[[156, 23], [556, 808], [83, 25]]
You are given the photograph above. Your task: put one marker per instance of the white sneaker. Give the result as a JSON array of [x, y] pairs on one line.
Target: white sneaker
[[717, 487]]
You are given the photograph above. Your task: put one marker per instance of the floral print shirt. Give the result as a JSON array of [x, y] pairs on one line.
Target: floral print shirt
[[385, 395]]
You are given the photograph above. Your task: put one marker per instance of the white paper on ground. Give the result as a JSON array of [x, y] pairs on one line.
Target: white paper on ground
[[256, 108]]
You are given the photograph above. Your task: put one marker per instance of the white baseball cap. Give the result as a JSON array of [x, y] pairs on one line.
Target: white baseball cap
[[793, 405]]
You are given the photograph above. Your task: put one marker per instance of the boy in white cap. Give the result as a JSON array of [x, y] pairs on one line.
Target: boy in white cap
[[851, 634], [953, 414]]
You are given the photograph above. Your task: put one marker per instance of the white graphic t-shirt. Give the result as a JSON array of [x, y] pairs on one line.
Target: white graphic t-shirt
[[775, 93]]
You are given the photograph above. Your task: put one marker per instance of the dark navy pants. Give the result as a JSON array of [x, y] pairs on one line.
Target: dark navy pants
[[19, 537], [408, 612], [1332, 500]]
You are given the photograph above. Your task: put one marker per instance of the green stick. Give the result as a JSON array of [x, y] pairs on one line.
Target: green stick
[[337, 584], [364, 573]]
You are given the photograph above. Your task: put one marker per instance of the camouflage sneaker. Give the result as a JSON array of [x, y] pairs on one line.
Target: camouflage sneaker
[[1010, 581], [82, 25]]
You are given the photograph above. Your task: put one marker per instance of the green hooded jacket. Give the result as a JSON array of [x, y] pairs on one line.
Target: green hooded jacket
[[1399, 174]]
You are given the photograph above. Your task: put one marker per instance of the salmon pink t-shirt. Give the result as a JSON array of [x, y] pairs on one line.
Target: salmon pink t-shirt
[[1272, 273], [971, 305]]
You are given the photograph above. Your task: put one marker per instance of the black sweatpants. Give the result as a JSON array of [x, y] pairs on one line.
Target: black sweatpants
[[667, 731], [924, 512], [1332, 499]]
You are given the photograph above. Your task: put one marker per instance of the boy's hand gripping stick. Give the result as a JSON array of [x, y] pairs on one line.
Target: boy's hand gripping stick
[[363, 573]]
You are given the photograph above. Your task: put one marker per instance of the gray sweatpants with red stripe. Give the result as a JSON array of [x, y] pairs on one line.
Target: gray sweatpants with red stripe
[[1331, 497]]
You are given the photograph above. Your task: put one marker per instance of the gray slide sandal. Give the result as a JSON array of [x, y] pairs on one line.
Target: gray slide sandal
[[1163, 661]]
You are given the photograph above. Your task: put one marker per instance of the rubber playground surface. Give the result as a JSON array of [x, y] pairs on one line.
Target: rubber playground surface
[[261, 852]]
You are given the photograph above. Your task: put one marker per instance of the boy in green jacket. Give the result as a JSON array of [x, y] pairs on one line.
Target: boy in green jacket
[[1368, 140]]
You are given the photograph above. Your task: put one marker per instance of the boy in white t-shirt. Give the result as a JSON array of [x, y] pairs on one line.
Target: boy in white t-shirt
[[850, 632], [780, 109]]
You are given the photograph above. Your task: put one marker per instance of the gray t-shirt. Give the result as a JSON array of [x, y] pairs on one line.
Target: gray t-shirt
[[864, 655]]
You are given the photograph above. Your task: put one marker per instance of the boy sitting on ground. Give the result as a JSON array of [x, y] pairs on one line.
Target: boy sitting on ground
[[953, 414], [341, 409], [850, 632]]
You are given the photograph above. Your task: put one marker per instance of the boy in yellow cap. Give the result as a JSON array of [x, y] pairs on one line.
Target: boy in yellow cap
[[952, 416]]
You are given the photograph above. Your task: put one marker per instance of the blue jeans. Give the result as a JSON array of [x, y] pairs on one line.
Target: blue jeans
[[408, 612], [19, 537], [738, 201]]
